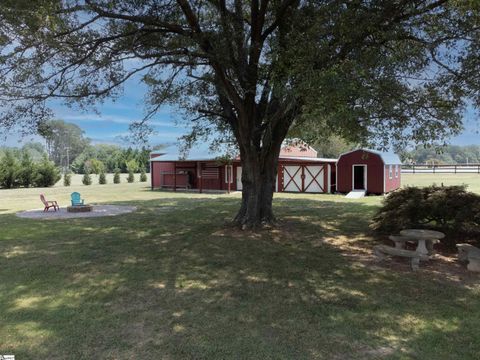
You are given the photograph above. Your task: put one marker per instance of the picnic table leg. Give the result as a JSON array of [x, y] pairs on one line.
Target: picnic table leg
[[421, 247], [399, 245], [415, 264], [430, 244]]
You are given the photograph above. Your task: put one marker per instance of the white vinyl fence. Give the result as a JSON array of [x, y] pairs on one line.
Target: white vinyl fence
[[441, 169]]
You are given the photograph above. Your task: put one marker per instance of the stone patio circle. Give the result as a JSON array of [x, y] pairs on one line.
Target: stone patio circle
[[97, 211]]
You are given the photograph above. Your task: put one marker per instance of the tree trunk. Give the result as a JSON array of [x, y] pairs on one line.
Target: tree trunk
[[259, 173]]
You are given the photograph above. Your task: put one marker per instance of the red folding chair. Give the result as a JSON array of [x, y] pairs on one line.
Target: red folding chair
[[49, 204]]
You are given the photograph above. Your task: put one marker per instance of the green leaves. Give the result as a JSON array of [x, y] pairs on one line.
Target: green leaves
[[373, 72]]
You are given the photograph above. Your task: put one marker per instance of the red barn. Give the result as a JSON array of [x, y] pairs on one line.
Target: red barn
[[370, 170], [299, 170]]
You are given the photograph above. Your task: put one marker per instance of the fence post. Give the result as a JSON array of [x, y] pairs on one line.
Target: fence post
[[434, 168], [414, 168]]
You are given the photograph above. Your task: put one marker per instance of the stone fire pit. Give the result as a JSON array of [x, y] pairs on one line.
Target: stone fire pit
[[79, 208]]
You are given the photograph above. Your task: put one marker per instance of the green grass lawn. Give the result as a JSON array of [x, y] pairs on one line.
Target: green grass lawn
[[174, 281], [471, 180]]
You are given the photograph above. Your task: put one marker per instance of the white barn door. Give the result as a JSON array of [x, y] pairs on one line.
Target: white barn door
[[292, 178], [314, 179]]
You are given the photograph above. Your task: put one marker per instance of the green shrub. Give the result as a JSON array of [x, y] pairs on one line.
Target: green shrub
[[131, 165], [143, 176], [96, 166], [450, 209], [131, 177], [47, 173], [67, 179], [28, 170], [116, 177], [87, 179], [102, 179], [9, 171]]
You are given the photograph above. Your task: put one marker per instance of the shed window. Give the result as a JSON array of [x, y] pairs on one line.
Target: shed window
[[390, 171], [396, 171]]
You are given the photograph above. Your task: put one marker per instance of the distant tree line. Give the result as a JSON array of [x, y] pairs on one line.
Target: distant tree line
[[67, 150], [451, 154], [110, 158], [68, 147]]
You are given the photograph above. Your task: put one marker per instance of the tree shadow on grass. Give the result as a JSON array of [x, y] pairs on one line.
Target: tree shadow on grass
[[178, 283]]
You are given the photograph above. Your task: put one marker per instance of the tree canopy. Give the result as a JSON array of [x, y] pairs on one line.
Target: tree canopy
[[380, 72], [64, 141], [451, 154]]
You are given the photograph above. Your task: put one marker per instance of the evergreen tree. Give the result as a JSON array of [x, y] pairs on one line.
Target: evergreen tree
[[27, 171], [87, 179], [47, 173], [9, 170], [67, 179], [102, 179], [143, 176], [116, 176]]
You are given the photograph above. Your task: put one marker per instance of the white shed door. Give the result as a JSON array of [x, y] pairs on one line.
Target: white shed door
[[314, 179], [292, 178]]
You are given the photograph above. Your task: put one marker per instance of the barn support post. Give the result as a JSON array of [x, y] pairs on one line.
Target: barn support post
[[303, 178], [280, 178], [200, 178], [227, 169], [151, 174], [175, 176], [326, 179]]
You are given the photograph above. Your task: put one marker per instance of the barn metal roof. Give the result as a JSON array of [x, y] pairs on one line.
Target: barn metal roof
[[388, 158], [213, 157], [306, 158]]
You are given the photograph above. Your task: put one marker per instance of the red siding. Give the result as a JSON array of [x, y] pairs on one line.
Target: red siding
[[157, 169], [375, 171], [394, 182], [210, 180]]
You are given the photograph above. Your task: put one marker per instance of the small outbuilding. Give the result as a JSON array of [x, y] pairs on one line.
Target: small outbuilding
[[373, 171]]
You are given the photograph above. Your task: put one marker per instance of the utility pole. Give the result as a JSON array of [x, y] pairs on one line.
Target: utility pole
[[68, 160]]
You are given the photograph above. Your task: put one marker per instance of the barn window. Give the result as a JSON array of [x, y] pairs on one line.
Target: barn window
[[396, 171], [390, 171], [210, 173]]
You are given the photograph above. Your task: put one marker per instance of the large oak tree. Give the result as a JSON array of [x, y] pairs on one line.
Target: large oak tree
[[377, 71]]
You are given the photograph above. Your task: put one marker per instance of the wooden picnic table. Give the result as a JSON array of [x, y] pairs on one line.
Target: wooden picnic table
[[425, 238]]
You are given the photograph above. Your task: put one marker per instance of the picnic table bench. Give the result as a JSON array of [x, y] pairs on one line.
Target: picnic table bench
[[382, 250], [471, 254]]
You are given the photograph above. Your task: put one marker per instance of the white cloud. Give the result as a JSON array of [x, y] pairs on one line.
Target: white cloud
[[113, 119]]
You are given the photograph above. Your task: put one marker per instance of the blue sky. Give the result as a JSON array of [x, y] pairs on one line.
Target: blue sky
[[112, 119]]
